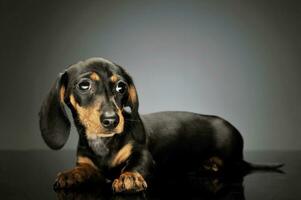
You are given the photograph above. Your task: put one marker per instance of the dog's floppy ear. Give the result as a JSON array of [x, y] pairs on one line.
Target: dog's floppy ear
[[54, 123], [132, 100]]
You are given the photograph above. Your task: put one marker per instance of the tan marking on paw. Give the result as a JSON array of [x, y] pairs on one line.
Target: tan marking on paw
[[214, 164], [76, 176], [129, 182]]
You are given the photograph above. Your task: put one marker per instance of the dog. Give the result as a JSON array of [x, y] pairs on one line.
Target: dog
[[119, 145]]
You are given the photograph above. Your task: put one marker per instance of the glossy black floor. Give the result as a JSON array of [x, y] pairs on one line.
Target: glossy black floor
[[30, 175]]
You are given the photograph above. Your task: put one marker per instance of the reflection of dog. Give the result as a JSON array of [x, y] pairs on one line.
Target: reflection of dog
[[117, 143], [188, 187]]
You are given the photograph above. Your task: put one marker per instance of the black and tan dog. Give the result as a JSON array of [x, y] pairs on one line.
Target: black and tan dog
[[116, 143]]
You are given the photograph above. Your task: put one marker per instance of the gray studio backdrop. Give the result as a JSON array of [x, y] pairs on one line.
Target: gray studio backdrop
[[237, 59]]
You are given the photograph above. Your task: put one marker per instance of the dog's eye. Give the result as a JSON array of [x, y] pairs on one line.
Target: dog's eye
[[121, 87], [84, 85]]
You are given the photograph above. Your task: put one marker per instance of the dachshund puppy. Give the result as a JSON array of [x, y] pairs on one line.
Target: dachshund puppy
[[118, 144]]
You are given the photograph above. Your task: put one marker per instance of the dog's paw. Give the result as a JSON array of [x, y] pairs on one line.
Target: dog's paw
[[129, 182], [69, 179], [213, 164]]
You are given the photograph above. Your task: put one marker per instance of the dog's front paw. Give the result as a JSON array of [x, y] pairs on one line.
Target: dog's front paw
[[68, 179], [129, 182], [71, 178]]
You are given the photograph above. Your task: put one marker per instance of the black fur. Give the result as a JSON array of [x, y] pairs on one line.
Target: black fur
[[173, 142]]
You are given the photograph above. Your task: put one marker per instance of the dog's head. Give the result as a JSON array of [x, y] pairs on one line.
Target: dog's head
[[98, 93]]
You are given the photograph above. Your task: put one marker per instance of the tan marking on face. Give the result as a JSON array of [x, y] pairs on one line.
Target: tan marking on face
[[86, 160], [62, 94], [94, 77], [90, 118], [132, 94], [119, 128], [122, 155], [114, 78]]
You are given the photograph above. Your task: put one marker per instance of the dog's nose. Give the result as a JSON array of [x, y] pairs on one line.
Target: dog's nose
[[109, 119]]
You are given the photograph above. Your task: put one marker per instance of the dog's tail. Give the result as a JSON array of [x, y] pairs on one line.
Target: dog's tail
[[272, 167]]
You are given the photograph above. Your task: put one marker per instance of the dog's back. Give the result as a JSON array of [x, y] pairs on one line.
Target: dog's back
[[185, 139]]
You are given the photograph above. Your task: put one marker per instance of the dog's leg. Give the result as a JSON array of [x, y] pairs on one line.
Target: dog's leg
[[132, 178], [84, 171]]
